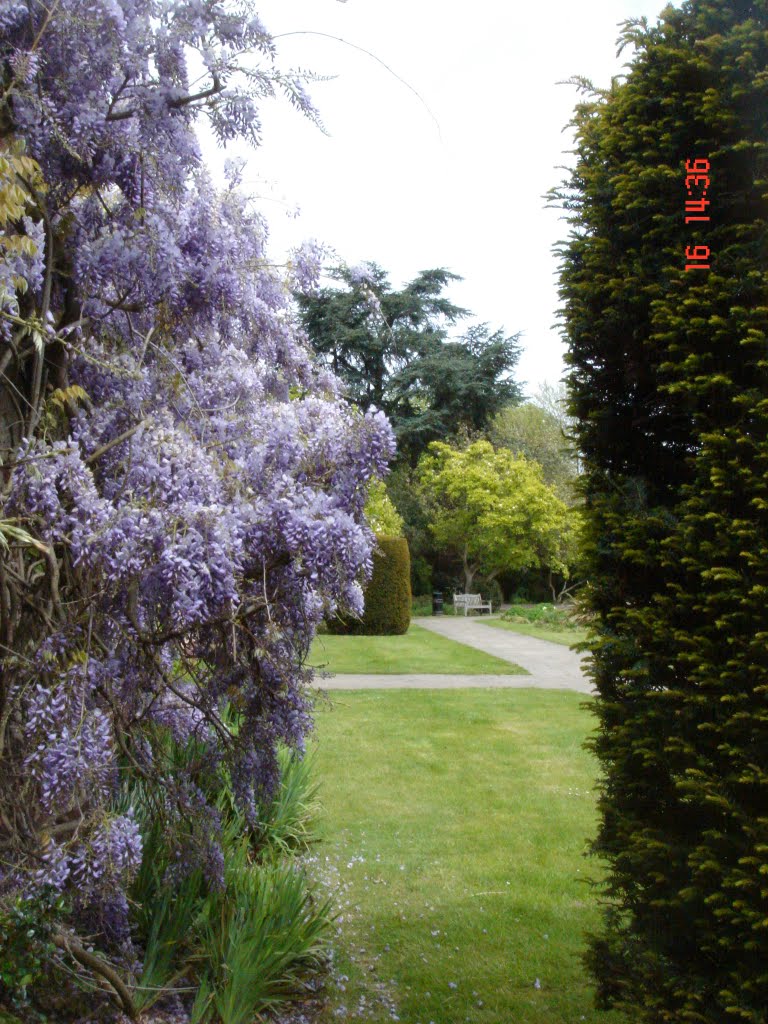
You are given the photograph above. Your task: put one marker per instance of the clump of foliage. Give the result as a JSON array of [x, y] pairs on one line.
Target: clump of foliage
[[490, 590], [230, 951], [542, 615], [182, 487], [493, 510], [380, 512], [402, 486], [421, 576], [241, 947], [421, 604], [391, 349], [387, 595], [668, 379], [26, 947], [541, 435]]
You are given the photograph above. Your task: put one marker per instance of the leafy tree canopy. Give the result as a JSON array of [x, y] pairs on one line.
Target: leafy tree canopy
[[493, 510], [392, 350], [529, 430]]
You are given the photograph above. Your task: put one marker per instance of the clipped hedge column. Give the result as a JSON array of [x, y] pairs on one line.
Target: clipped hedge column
[[387, 596], [668, 380]]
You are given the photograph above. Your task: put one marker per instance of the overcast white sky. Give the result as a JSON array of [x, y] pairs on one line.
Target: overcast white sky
[[391, 185]]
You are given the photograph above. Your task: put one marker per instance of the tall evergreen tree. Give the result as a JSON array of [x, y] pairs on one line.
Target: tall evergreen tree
[[367, 332], [391, 349], [669, 381]]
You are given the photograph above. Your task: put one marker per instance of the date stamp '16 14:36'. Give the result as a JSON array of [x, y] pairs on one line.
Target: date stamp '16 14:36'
[[696, 185]]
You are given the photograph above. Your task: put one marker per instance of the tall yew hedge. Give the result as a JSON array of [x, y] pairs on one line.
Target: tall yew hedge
[[668, 379]]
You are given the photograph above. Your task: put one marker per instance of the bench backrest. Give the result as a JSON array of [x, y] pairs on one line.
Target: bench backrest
[[470, 600]]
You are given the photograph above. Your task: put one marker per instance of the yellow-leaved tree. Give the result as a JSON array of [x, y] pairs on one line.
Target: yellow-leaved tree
[[493, 510]]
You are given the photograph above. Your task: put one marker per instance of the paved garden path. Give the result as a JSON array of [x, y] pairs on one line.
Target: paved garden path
[[550, 666]]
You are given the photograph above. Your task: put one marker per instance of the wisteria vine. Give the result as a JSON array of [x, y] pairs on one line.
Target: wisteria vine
[[182, 487]]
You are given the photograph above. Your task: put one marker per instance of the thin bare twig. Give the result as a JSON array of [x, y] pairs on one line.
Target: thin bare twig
[[362, 49]]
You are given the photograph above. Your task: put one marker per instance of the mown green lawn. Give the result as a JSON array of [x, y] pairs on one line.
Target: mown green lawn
[[416, 652], [568, 637], [457, 820]]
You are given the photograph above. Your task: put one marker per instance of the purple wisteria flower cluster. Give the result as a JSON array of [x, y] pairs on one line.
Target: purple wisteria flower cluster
[[190, 483]]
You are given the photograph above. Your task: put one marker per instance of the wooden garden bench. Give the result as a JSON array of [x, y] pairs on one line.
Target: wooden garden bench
[[471, 603]]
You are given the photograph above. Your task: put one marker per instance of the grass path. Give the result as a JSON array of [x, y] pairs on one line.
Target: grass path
[[416, 652], [457, 820]]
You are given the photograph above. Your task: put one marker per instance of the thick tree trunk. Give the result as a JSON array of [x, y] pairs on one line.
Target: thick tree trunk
[[469, 572]]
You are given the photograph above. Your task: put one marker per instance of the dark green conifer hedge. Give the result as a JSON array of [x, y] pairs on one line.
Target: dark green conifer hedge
[[387, 596], [669, 380]]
